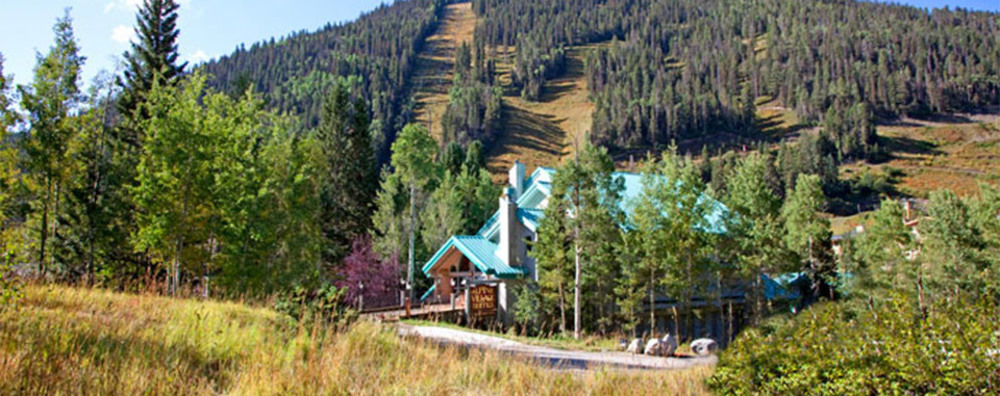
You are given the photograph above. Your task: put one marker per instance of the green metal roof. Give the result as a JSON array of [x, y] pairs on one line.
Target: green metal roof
[[530, 217], [714, 220], [481, 253]]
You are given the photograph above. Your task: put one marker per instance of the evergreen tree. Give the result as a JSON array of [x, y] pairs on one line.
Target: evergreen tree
[[985, 212], [748, 109], [153, 58], [474, 156], [986, 217], [349, 188], [600, 233], [452, 158], [553, 260]]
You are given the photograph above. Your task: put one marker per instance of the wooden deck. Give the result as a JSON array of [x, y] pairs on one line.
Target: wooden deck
[[426, 311]]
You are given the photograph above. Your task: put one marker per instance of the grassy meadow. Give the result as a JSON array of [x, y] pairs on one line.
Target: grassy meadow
[[62, 340]]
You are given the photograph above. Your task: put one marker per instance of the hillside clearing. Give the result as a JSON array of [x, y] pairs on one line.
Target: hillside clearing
[[435, 64], [542, 133], [956, 152], [69, 340]]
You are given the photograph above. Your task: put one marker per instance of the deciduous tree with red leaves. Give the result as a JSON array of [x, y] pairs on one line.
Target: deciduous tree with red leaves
[[364, 274]]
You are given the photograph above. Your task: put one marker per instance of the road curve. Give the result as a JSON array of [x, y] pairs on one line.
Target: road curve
[[556, 358]]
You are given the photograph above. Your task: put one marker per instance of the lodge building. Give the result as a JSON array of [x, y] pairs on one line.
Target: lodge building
[[497, 256]]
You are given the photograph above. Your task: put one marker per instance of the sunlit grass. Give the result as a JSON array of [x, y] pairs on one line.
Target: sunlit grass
[[71, 341]]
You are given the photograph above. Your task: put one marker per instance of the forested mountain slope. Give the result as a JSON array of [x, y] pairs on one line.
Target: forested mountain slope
[[684, 68], [664, 70], [294, 73]]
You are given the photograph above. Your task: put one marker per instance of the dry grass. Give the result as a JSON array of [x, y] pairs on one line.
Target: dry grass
[[955, 154], [433, 73], [538, 133], [845, 224], [70, 341], [543, 132]]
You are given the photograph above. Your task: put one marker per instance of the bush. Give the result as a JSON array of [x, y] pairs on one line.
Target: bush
[[848, 348], [325, 304], [10, 286]]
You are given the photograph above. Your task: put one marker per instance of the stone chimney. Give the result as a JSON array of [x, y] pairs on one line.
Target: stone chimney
[[510, 229], [515, 177]]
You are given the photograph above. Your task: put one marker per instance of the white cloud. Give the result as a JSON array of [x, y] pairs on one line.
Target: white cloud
[[198, 56], [122, 34]]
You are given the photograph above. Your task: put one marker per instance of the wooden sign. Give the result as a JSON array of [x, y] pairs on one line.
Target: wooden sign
[[483, 302]]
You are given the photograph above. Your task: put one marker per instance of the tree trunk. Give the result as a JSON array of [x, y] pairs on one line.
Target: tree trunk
[[44, 229], [652, 307], [677, 323], [756, 300], [409, 265], [178, 246], [729, 333], [55, 226], [576, 289], [721, 313], [562, 309]]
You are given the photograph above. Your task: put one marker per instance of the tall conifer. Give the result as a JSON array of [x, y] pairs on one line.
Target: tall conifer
[[153, 58], [351, 181]]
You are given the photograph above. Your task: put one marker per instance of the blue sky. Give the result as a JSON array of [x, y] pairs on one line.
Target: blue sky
[[209, 28]]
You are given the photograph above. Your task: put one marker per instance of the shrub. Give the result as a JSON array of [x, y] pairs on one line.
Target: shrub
[[10, 286], [850, 348], [325, 304]]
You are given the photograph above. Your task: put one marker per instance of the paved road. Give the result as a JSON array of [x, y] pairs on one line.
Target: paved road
[[557, 358]]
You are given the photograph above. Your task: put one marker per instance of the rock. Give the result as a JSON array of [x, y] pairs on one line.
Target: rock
[[669, 343], [704, 346], [635, 346], [654, 347]]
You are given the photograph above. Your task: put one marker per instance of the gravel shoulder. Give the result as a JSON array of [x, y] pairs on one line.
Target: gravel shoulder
[[556, 358]]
